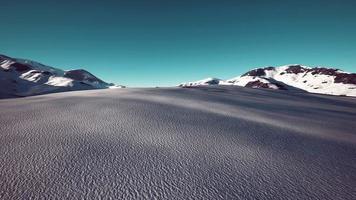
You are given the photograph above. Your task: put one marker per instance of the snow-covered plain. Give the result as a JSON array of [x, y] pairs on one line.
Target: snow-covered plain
[[220, 142]]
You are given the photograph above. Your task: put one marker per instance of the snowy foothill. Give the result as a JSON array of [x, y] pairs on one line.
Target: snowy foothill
[[207, 81], [322, 80], [26, 78]]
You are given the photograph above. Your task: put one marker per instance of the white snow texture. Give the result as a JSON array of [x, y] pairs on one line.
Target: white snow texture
[[199, 143]]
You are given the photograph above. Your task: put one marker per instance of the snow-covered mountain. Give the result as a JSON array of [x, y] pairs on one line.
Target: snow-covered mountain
[[292, 77], [19, 77], [207, 81]]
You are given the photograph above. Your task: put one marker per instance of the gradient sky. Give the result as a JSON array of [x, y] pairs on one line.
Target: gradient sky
[[150, 42]]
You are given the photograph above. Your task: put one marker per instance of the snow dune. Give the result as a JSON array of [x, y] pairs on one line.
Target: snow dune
[[221, 142]]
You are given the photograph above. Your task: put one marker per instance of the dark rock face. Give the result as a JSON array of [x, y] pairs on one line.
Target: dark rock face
[[213, 82], [82, 75], [20, 67], [257, 84], [345, 78], [255, 72], [268, 68], [295, 69], [323, 71], [258, 72]]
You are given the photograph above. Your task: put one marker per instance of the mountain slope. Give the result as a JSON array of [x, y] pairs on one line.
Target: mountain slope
[[295, 77], [207, 81], [19, 77]]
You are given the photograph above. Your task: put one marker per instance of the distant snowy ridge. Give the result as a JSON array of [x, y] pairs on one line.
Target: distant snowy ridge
[[20, 77], [207, 81], [320, 80]]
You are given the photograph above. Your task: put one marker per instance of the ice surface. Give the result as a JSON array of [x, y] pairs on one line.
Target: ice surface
[[219, 142]]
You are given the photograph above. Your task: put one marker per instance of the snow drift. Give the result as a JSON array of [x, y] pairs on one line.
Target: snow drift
[[173, 143]]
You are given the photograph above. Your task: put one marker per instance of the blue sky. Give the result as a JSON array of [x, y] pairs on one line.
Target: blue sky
[[163, 43]]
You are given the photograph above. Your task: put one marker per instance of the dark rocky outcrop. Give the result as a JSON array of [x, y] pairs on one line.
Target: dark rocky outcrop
[[345, 78], [257, 84], [82, 75], [295, 69], [255, 72], [258, 72], [20, 67], [213, 82], [323, 71]]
